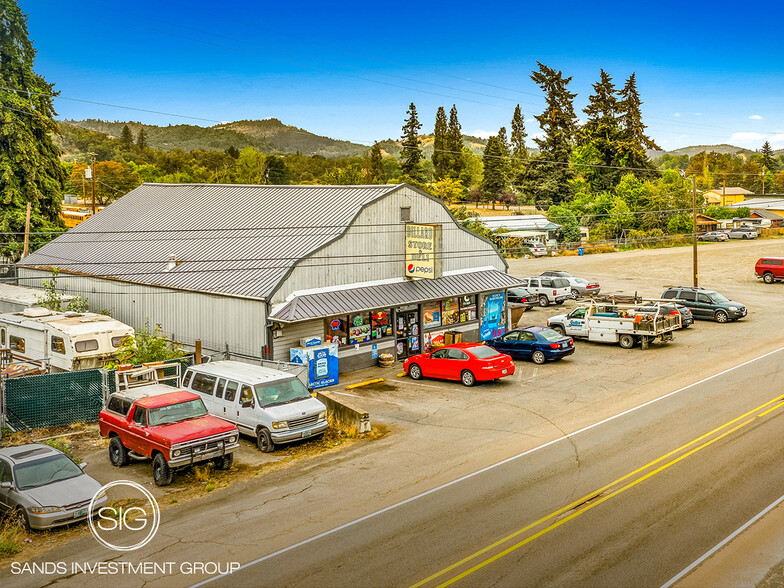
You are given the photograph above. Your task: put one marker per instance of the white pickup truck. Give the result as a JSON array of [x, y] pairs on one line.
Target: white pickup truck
[[617, 323], [548, 289]]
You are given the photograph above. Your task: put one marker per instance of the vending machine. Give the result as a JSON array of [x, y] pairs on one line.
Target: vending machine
[[322, 362]]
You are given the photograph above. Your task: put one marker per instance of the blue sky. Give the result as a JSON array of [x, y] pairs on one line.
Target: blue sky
[[708, 73]]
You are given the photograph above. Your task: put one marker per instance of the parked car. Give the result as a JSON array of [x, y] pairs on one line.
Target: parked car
[[713, 236], [539, 344], [466, 362], [521, 296], [580, 286], [42, 488], [548, 289], [770, 269], [272, 406], [706, 304], [743, 232], [173, 429], [536, 249], [687, 318]]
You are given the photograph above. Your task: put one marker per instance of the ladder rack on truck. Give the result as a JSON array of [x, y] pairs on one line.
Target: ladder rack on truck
[[149, 374], [613, 322]]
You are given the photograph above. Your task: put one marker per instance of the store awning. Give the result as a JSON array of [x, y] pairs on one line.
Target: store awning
[[328, 303]]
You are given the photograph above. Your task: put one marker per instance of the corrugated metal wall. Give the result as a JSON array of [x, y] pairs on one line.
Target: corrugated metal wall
[[186, 316], [373, 247], [292, 334]]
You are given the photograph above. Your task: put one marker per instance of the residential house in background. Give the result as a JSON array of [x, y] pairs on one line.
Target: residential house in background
[[726, 196]]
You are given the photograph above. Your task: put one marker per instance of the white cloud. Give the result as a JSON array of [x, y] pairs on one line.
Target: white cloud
[[530, 120], [697, 114], [747, 137], [755, 117], [677, 114], [537, 136], [777, 140], [482, 134]]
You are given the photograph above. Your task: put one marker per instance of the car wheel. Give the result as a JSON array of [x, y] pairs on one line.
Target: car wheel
[[575, 294], [468, 378], [768, 278], [224, 462], [162, 474], [264, 441], [538, 357], [559, 329], [118, 453], [20, 518], [543, 300], [415, 372], [626, 341], [745, 236], [721, 316]]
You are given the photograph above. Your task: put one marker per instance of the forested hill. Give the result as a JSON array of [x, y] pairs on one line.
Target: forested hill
[[267, 136]]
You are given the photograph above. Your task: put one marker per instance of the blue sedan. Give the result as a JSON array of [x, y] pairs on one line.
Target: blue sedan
[[539, 344]]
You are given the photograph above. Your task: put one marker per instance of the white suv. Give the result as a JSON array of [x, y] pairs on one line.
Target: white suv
[[547, 289]]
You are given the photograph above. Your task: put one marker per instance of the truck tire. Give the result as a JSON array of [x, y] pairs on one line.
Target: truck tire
[[264, 441], [162, 474], [626, 341], [224, 462], [559, 329], [768, 278], [543, 300], [118, 453]]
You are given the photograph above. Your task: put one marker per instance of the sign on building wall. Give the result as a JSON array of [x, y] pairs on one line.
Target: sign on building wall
[[493, 323], [422, 245]]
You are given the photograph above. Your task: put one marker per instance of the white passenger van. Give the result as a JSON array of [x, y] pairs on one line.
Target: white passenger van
[[273, 406]]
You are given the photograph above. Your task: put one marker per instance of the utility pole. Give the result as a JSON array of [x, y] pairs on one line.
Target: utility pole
[[93, 174], [723, 192], [27, 229], [763, 180], [693, 226]]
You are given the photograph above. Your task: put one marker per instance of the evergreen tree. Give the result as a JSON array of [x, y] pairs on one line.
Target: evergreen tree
[[519, 151], [455, 145], [550, 181], [233, 152], [602, 132], [769, 159], [126, 137], [411, 153], [275, 171], [634, 142], [441, 155], [377, 173], [30, 168], [494, 177], [141, 139]]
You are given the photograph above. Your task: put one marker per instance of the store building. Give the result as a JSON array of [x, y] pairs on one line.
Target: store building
[[256, 271]]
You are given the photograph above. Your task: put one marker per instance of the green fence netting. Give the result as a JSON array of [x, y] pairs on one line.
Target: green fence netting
[[53, 400]]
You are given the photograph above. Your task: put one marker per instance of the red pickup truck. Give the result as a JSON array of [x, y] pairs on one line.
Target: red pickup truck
[[171, 428]]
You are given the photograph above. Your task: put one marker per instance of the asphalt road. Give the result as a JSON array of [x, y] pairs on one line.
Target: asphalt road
[[604, 518]]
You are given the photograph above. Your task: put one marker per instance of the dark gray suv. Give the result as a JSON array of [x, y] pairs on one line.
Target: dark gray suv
[[706, 304]]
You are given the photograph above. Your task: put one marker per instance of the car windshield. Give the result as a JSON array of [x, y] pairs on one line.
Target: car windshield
[[45, 471], [483, 352], [718, 298], [164, 415], [281, 392], [551, 335]]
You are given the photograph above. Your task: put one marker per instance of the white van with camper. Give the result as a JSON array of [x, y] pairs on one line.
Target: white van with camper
[[273, 406]]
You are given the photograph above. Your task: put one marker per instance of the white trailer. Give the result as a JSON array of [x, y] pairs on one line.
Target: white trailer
[[618, 323], [67, 341]]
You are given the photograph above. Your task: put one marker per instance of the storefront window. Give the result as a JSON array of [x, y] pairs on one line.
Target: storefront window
[[336, 330], [432, 314], [381, 323], [450, 311], [467, 308], [359, 328]]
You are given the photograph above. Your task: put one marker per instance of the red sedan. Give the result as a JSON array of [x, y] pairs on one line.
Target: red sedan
[[467, 362]]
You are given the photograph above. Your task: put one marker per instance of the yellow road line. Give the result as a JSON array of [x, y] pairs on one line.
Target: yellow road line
[[598, 492]]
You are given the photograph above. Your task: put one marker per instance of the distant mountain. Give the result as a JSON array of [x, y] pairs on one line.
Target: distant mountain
[[695, 149], [392, 148], [268, 136]]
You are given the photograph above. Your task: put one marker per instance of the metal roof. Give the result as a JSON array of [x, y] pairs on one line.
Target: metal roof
[[733, 191], [759, 203], [228, 239], [766, 214], [530, 222], [328, 303]]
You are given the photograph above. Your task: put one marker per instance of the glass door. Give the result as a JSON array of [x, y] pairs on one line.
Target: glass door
[[407, 342]]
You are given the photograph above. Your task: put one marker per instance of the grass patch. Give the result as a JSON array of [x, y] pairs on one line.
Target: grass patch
[[11, 538], [67, 448], [209, 487]]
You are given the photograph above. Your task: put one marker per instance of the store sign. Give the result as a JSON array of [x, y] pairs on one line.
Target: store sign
[[422, 244], [493, 324]]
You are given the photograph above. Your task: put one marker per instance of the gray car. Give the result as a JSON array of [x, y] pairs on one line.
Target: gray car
[[41, 487]]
